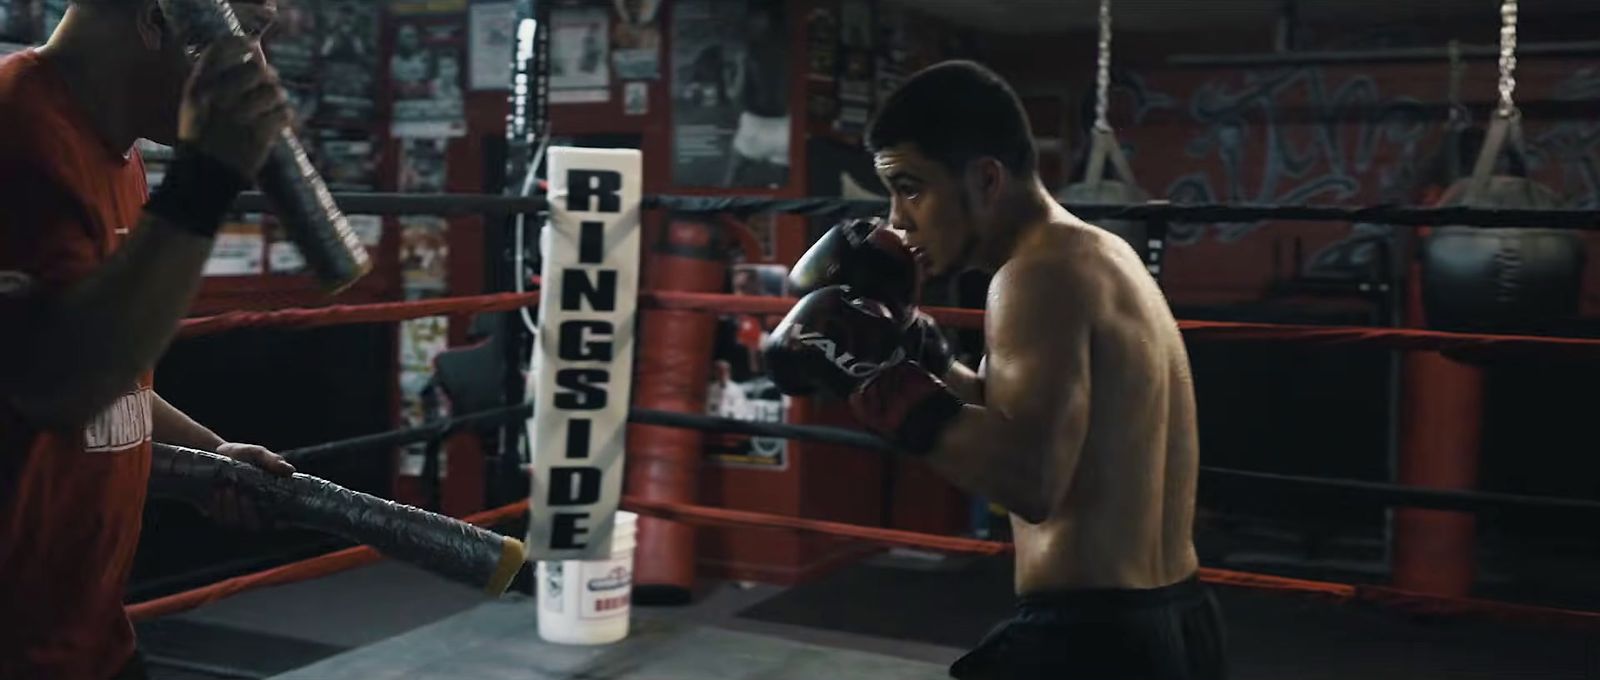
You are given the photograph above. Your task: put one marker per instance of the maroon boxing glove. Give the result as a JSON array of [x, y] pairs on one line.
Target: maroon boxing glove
[[926, 344], [907, 405]]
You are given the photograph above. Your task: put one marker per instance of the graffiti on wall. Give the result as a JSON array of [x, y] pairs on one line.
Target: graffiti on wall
[[1572, 146], [1288, 136]]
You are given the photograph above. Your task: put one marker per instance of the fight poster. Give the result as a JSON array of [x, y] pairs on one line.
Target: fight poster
[[349, 60], [822, 46], [730, 99], [292, 47], [422, 166], [291, 44], [424, 255], [855, 64], [739, 387], [420, 341], [493, 32], [347, 160], [283, 256], [424, 239], [426, 69], [240, 248], [636, 98], [636, 40], [578, 47]]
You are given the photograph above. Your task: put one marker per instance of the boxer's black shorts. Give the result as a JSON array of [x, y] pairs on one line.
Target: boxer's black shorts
[[1169, 633]]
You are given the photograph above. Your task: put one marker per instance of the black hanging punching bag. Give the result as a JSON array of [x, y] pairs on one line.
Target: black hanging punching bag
[[1500, 279]]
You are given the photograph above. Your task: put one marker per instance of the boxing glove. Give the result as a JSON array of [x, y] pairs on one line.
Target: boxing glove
[[907, 405], [870, 258], [926, 344], [832, 340]]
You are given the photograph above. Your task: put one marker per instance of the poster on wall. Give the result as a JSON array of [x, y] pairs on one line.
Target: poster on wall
[[424, 255], [739, 387], [822, 46], [283, 256], [899, 53], [493, 35], [635, 98], [291, 45], [856, 61], [425, 71], [730, 99], [422, 166], [636, 40], [349, 60], [368, 228], [420, 341], [347, 160], [240, 248], [579, 44]]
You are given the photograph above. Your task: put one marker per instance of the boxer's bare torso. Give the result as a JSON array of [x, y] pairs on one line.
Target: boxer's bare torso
[[1119, 475]]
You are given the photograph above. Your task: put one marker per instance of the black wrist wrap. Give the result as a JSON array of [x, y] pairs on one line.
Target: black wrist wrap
[[197, 192]]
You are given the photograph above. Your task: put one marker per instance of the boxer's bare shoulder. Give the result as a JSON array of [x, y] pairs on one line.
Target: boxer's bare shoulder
[[1119, 472]]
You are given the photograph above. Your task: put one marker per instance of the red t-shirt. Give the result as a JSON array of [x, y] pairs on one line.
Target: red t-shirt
[[70, 500]]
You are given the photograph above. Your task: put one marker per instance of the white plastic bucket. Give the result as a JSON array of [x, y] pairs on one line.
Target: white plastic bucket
[[587, 602]]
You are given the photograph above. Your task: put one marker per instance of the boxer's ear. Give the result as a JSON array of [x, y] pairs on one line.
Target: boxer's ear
[[985, 180]]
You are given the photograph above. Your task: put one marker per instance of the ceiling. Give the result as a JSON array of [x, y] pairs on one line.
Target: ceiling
[[1050, 16]]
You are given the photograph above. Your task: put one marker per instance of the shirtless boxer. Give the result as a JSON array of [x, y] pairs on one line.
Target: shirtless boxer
[[1081, 419]]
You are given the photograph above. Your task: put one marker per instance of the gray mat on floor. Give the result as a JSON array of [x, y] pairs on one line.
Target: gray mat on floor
[[500, 640], [176, 648], [1271, 636]]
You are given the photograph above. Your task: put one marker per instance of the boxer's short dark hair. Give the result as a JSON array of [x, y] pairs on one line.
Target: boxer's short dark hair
[[956, 112]]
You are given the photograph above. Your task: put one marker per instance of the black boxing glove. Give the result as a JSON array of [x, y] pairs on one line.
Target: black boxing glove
[[870, 258], [832, 339], [926, 344]]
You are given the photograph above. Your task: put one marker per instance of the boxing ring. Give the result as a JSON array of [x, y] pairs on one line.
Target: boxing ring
[[497, 637]]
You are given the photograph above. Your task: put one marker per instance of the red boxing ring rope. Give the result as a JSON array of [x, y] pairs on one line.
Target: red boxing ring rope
[[1208, 331], [1216, 331], [1341, 593]]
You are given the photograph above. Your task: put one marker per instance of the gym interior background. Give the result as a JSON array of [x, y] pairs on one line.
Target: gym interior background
[[1347, 102]]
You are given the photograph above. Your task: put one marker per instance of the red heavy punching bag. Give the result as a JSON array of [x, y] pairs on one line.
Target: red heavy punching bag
[[673, 371], [1471, 279]]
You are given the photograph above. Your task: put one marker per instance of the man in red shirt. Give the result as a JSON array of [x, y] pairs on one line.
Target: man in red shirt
[[93, 281]]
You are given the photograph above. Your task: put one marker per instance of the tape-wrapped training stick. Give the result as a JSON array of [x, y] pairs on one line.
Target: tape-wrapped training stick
[[291, 184], [445, 546]]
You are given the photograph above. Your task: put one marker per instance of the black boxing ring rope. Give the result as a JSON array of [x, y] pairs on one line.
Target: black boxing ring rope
[[1346, 489], [1416, 216]]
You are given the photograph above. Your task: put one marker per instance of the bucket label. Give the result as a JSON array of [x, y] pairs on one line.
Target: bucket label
[[607, 587]]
